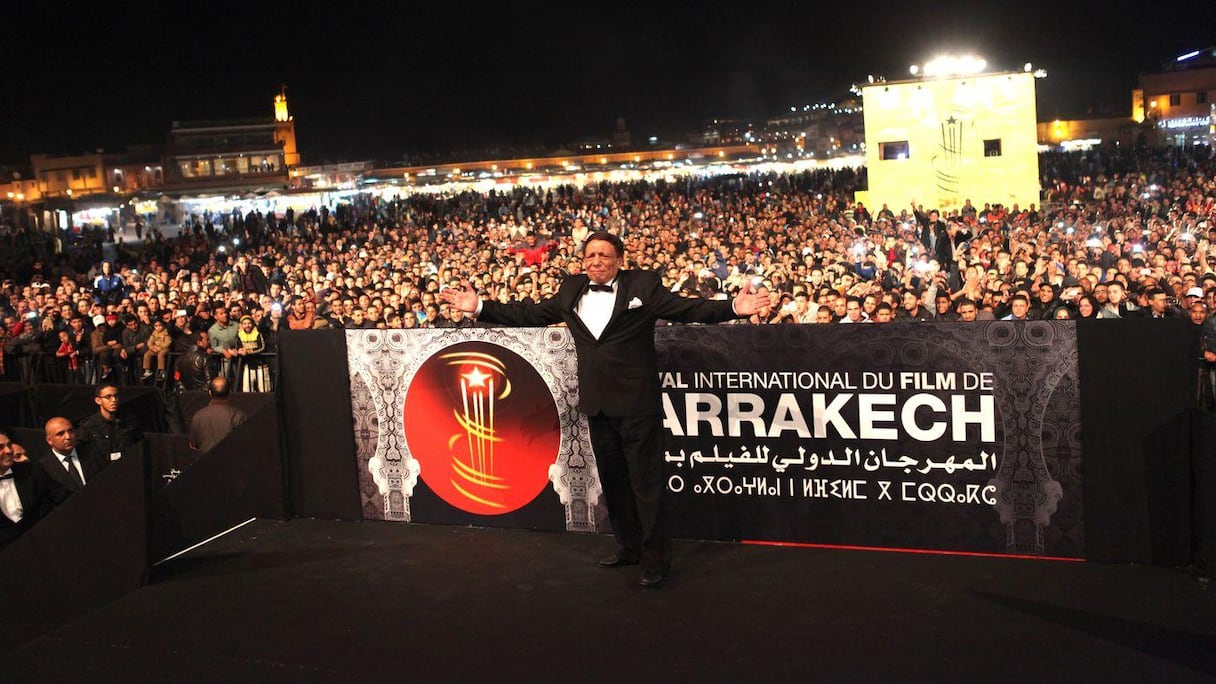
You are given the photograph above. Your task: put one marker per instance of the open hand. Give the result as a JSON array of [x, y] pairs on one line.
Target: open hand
[[749, 302], [463, 298]]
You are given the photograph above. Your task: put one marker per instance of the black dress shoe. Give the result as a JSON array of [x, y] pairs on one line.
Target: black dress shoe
[[652, 579], [617, 560]]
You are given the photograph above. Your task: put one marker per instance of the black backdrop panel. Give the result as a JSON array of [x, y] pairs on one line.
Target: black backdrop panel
[[241, 478], [314, 389], [1203, 468], [89, 551], [248, 402], [545, 512], [75, 402], [1137, 387], [14, 405]]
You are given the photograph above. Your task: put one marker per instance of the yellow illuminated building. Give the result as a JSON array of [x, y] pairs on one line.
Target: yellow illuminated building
[[941, 141], [285, 130]]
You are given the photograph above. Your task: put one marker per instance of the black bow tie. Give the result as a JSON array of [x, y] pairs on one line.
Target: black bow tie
[[599, 288], [6, 477]]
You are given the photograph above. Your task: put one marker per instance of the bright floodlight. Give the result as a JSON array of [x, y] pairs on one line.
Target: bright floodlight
[[951, 65], [914, 69], [1027, 67]]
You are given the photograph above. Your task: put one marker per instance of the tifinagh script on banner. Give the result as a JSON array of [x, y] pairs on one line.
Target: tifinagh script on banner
[[915, 436]]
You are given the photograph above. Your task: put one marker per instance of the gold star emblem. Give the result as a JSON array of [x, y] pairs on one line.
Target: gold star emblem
[[476, 377]]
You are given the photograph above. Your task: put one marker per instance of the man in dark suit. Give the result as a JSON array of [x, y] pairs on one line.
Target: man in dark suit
[[611, 315], [25, 493], [64, 466]]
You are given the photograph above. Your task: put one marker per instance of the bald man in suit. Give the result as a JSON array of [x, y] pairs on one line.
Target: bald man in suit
[[70, 470]]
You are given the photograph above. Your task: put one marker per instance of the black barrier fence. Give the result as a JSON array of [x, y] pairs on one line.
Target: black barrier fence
[[248, 373], [168, 449], [90, 550], [31, 406], [166, 497], [1136, 407], [319, 436], [1203, 490], [240, 478]]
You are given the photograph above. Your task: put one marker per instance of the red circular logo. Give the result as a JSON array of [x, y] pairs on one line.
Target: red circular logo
[[482, 424]]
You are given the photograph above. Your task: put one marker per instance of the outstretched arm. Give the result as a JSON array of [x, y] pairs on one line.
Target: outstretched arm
[[526, 313]]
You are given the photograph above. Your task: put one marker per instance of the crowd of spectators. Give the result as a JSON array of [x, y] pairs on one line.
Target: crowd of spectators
[[1119, 233]]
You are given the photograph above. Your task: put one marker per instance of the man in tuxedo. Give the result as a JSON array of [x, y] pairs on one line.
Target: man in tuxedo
[[64, 466], [25, 494], [611, 315]]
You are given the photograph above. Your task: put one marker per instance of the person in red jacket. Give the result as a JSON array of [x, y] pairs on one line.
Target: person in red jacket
[[533, 250]]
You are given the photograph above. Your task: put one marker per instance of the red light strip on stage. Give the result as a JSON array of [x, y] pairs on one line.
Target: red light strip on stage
[[928, 552]]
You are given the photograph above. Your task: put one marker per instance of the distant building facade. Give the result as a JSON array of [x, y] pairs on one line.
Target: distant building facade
[[232, 154], [942, 141], [1173, 106], [1178, 100]]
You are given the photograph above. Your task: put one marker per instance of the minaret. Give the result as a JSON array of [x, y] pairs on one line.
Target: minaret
[[280, 105], [285, 130]]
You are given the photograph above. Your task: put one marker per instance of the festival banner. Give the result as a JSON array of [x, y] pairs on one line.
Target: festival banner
[[957, 437]]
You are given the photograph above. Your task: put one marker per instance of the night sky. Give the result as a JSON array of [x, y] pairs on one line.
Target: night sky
[[382, 80]]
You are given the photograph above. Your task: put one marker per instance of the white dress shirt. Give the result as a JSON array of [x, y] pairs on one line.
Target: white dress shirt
[[595, 309], [71, 461], [10, 501]]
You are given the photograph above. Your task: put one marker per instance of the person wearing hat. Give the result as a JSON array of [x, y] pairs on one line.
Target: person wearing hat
[[202, 320], [255, 371], [108, 287], [181, 332]]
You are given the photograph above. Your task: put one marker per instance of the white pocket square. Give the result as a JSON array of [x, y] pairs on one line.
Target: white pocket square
[[635, 303]]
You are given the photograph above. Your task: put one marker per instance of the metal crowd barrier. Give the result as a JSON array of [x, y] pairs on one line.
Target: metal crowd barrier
[[252, 373]]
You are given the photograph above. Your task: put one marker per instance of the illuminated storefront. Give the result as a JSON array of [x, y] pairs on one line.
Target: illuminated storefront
[[1178, 100], [1185, 131]]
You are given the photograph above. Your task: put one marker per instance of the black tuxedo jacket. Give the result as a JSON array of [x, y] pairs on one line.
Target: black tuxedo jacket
[[618, 373], [59, 475], [34, 490]]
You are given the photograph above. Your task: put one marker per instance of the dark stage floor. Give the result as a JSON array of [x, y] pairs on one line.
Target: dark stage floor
[[310, 601]]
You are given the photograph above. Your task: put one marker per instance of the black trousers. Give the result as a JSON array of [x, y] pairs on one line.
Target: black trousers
[[629, 456]]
